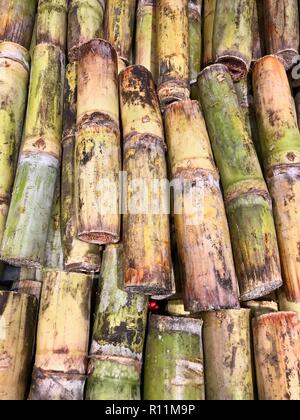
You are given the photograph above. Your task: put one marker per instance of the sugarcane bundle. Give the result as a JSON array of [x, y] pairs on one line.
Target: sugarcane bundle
[[145, 36], [201, 226], [29, 282], [285, 305], [78, 256], [232, 38], [277, 349], [227, 355], [282, 29], [18, 315], [147, 252], [174, 359], [280, 141], [175, 307], [28, 219], [85, 22], [258, 31], [97, 146], [17, 20], [209, 8], [172, 51], [119, 28], [118, 335], [195, 41], [247, 200], [62, 337]]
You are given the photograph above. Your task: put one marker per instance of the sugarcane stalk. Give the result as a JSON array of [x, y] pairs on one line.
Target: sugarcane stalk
[[54, 253], [78, 256], [209, 8], [285, 304], [201, 227], [172, 50], [62, 335], [175, 307], [246, 101], [282, 29], [85, 22], [147, 251], [51, 23], [277, 349], [119, 27], [29, 282], [280, 141], [97, 148], [63, 326], [53, 386], [195, 39], [17, 20], [174, 359], [26, 229], [118, 335], [145, 36], [29, 215], [258, 31], [258, 307], [33, 41], [247, 200], [232, 38], [227, 355], [14, 77], [18, 315]]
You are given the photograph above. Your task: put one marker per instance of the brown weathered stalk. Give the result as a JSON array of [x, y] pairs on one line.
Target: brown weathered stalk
[[277, 349], [282, 29], [147, 252], [97, 149]]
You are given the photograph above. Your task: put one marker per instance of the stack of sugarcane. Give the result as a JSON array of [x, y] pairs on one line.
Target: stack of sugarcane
[[204, 127]]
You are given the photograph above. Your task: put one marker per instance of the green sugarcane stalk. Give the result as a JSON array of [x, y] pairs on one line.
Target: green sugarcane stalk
[[51, 23], [118, 335], [14, 78], [232, 39], [195, 41], [174, 359], [17, 20], [85, 22], [209, 8], [78, 256], [29, 216], [54, 252], [247, 200]]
